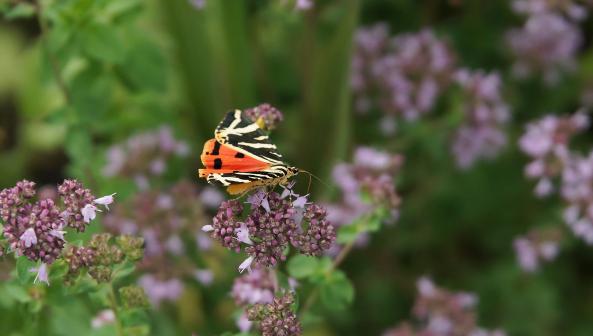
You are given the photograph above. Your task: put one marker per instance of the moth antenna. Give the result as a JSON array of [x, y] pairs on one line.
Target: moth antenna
[[311, 175]]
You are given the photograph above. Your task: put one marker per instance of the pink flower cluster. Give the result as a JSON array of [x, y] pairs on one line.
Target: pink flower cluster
[[547, 141], [484, 113], [36, 229], [404, 74], [549, 39], [272, 223], [169, 221], [441, 312], [537, 246], [371, 173], [571, 9], [145, 154]]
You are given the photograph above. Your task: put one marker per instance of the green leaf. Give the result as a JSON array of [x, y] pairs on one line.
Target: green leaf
[[36, 306], [23, 267], [82, 284], [91, 90], [106, 330], [373, 223], [78, 144], [144, 67], [301, 266], [122, 9], [134, 317], [123, 270], [337, 292], [102, 42], [58, 270], [22, 10], [324, 267], [348, 233], [17, 293], [100, 294]]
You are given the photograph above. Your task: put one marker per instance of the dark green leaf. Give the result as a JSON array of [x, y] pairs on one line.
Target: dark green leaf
[[337, 292], [102, 42], [144, 67]]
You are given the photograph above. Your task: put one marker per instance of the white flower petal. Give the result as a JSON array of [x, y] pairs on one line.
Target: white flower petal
[[42, 274], [89, 212], [243, 234], [105, 200], [29, 238], [246, 264], [207, 228]]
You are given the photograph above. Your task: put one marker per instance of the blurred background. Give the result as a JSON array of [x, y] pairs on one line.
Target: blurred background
[[122, 94]]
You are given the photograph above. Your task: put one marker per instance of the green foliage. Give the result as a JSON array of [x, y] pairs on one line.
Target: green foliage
[[337, 292], [19, 11], [77, 76]]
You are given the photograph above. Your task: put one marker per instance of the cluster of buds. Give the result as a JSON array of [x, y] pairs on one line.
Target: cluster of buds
[[549, 39], [169, 220], [537, 246], [100, 256], [133, 297], [107, 252], [77, 258], [272, 223], [276, 318], [80, 204], [444, 313], [366, 184], [143, 155], [484, 113], [265, 115], [36, 229], [404, 74]]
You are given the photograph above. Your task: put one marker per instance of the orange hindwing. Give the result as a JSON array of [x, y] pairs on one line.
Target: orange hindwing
[[221, 159]]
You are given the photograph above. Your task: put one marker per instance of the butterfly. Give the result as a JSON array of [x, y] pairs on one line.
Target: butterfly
[[241, 157]]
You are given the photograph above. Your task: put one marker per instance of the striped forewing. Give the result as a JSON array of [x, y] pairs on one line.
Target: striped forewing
[[245, 136]]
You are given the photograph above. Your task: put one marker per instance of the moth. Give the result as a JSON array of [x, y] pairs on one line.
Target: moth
[[241, 157]]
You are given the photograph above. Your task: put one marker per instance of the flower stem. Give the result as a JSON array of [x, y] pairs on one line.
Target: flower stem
[[112, 299]]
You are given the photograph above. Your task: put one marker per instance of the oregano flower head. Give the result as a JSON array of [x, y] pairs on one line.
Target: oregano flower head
[[272, 223]]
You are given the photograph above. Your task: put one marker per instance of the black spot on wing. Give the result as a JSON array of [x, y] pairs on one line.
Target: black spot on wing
[[239, 155], [216, 149], [217, 163]]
